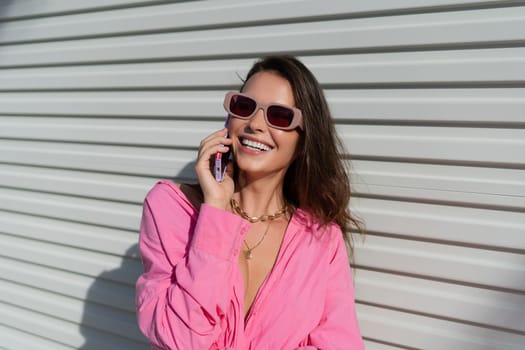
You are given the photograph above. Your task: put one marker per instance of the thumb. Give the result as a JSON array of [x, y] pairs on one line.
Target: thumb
[[229, 169]]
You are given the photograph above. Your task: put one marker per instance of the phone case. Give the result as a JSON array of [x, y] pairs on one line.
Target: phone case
[[221, 161]]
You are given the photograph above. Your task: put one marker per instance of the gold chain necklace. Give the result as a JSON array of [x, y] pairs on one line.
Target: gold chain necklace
[[253, 219]]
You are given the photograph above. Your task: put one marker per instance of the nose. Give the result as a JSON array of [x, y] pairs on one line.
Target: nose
[[257, 122]]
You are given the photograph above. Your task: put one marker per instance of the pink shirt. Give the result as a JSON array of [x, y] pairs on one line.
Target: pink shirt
[[191, 294]]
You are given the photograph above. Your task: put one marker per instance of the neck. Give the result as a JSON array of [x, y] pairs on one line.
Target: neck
[[260, 196]]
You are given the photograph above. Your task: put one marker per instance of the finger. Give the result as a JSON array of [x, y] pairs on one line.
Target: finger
[[211, 150], [213, 141], [217, 134], [229, 170]]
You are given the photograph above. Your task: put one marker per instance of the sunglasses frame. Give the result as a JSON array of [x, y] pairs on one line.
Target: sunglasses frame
[[297, 120]]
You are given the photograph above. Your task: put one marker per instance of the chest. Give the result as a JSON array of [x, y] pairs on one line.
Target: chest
[[291, 291], [259, 254]]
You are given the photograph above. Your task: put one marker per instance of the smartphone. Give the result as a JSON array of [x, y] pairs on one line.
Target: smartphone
[[221, 161]]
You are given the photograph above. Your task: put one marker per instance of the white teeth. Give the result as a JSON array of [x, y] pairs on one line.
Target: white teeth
[[257, 145]]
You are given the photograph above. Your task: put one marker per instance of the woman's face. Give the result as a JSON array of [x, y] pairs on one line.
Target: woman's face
[[259, 149]]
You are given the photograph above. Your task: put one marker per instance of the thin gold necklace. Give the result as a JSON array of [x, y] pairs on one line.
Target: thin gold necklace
[[253, 219], [248, 253]]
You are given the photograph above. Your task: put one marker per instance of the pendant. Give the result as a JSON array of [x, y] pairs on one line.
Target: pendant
[[248, 254]]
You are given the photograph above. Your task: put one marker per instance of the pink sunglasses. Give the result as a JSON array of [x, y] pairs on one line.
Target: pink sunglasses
[[276, 115]]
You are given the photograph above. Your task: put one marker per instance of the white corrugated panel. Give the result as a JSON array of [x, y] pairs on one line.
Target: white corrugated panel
[[99, 99]]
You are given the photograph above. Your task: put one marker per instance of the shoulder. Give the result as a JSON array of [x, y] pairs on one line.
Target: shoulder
[[167, 223], [168, 213], [328, 236], [168, 194]]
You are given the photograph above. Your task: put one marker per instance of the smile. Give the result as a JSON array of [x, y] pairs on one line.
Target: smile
[[255, 145]]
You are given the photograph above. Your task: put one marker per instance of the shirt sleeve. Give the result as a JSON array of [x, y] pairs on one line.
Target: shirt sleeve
[[338, 328], [187, 284]]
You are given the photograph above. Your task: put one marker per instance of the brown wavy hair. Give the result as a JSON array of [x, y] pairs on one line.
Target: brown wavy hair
[[317, 180]]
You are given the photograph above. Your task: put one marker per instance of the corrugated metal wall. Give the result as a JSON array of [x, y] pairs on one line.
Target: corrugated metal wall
[[98, 99]]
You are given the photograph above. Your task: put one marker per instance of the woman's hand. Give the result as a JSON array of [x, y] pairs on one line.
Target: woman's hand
[[215, 193]]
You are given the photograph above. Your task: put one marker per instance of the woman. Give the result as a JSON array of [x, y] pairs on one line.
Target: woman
[[257, 261]]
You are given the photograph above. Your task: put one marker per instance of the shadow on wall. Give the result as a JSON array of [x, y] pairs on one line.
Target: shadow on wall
[[4, 9], [109, 319]]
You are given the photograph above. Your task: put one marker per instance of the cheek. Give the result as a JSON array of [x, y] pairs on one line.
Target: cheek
[[237, 126], [232, 124], [289, 139]]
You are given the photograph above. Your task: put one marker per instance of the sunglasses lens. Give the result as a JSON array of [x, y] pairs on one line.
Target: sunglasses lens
[[280, 116], [242, 106]]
